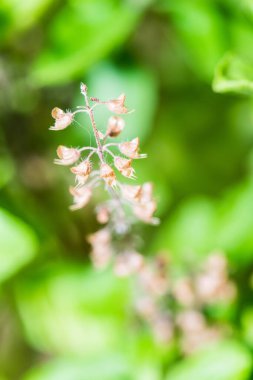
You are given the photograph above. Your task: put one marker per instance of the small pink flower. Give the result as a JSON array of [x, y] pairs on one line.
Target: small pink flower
[[117, 105], [128, 263], [131, 148], [62, 119], [115, 126], [107, 173], [81, 196], [101, 248], [82, 169], [103, 214], [124, 166], [68, 156], [145, 211], [131, 192]]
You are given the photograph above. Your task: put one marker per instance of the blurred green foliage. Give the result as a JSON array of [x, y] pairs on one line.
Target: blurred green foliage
[[187, 69]]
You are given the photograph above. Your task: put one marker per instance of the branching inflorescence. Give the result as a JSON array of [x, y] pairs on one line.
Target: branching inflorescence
[[122, 197], [115, 243]]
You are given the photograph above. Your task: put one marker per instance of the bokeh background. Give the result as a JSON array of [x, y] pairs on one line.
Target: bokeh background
[[186, 67]]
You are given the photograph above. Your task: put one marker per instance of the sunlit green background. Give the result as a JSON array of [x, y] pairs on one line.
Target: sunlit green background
[[186, 67]]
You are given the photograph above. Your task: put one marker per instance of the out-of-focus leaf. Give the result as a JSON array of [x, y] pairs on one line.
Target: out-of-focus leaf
[[247, 325], [18, 244], [200, 226], [233, 75], [226, 361], [199, 26], [20, 15], [139, 85], [235, 223], [189, 231], [81, 34], [67, 310], [6, 170], [113, 367]]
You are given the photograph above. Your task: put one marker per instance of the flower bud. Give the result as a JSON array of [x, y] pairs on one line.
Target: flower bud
[[83, 88], [115, 126], [103, 214], [131, 148], [124, 166], [107, 173], [62, 119], [81, 196], [67, 155], [57, 113], [117, 105]]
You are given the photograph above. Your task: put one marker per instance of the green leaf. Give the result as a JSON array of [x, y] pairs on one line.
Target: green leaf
[[81, 34], [225, 361], [86, 308], [233, 75], [113, 367], [200, 225], [189, 231], [21, 15], [247, 325], [18, 244], [7, 170], [199, 27]]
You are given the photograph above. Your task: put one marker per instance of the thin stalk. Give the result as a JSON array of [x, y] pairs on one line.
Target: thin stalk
[[94, 127]]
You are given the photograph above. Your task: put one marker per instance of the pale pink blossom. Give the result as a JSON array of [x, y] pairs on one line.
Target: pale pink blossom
[[117, 105], [81, 197], [131, 192], [101, 253], [68, 156], [115, 126], [108, 175], [82, 169], [103, 214], [62, 119], [124, 166], [145, 211], [128, 263], [131, 148]]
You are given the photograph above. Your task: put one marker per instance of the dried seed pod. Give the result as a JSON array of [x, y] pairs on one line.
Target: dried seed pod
[[68, 156], [107, 173], [115, 126]]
